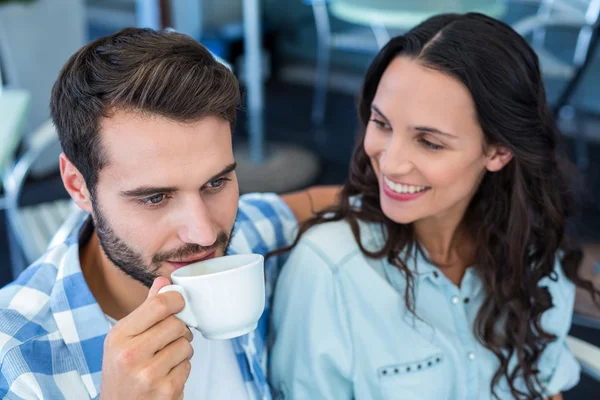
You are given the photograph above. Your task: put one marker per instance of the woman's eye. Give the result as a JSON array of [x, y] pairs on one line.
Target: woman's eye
[[430, 145], [380, 124]]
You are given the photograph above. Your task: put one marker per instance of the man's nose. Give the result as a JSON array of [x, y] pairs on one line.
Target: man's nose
[[197, 226]]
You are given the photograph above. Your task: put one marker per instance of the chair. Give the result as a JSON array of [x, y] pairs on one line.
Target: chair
[[586, 316], [376, 16], [14, 105], [588, 356], [32, 227], [586, 353], [582, 16]]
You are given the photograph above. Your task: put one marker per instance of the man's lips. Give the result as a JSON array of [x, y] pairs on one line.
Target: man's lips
[[193, 259]]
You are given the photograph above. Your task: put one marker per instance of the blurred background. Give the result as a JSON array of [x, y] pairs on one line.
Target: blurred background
[[301, 63]]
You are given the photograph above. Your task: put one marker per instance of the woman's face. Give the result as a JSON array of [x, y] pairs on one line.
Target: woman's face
[[426, 145]]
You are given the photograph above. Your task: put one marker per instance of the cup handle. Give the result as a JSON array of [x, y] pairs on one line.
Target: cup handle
[[186, 315]]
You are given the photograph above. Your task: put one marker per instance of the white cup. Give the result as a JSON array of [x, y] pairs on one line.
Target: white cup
[[224, 296]]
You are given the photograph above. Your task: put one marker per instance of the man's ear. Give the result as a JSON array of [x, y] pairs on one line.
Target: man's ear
[[500, 156], [75, 184]]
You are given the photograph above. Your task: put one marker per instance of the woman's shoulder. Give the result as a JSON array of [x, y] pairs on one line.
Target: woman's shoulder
[[335, 240]]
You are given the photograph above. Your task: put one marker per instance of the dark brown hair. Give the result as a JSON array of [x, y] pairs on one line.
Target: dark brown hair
[[158, 73], [518, 215]]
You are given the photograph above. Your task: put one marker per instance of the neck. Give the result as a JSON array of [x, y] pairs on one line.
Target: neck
[[447, 244], [117, 293]]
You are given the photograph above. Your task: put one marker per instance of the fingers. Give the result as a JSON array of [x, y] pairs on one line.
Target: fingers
[[158, 284], [178, 377], [162, 334], [168, 386], [155, 309], [146, 354], [172, 355]]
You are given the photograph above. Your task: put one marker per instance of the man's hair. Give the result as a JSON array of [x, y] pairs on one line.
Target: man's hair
[[157, 73]]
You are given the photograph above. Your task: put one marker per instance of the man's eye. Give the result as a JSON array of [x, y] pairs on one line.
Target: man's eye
[[154, 200], [217, 183]]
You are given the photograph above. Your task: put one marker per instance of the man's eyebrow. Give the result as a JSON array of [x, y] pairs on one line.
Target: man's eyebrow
[[145, 191], [227, 170]]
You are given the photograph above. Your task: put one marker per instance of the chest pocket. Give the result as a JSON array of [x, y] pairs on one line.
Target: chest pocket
[[422, 379]]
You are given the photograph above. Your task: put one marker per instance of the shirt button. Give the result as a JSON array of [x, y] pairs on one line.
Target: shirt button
[[455, 299], [471, 356]]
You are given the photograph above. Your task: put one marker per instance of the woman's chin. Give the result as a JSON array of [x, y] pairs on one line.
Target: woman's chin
[[398, 216]]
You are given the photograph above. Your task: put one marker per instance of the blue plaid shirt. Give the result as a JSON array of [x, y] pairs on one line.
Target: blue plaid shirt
[[52, 330]]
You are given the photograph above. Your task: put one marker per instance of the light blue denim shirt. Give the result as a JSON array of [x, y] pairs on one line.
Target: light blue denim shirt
[[343, 331]]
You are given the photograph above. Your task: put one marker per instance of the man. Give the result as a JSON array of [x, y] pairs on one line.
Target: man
[[145, 121]]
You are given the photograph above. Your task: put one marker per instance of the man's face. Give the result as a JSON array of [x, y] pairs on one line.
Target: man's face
[[168, 195]]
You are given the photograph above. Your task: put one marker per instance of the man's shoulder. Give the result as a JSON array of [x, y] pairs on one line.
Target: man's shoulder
[[25, 312], [264, 223], [263, 206]]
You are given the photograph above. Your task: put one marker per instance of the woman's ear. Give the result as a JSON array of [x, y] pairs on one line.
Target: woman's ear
[[499, 157]]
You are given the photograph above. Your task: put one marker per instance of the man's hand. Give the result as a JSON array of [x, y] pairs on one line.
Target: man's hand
[[147, 354]]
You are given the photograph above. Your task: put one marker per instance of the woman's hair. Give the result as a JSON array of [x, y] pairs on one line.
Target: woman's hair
[[518, 215]]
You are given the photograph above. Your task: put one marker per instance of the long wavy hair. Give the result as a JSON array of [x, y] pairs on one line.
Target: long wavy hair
[[517, 217]]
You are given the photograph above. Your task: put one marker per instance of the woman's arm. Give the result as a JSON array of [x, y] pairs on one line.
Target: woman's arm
[[306, 202]]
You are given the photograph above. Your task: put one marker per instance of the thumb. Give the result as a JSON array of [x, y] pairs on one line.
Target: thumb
[[158, 284]]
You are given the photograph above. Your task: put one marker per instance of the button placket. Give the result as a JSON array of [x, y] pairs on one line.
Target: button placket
[[459, 300]]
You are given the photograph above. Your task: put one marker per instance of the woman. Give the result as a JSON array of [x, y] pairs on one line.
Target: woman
[[445, 271]]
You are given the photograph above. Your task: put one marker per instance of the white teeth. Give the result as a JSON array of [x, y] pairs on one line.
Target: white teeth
[[400, 188]]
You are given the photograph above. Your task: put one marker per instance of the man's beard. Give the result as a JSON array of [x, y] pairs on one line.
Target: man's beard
[[130, 261]]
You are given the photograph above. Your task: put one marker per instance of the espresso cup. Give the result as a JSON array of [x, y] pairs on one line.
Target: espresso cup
[[224, 296]]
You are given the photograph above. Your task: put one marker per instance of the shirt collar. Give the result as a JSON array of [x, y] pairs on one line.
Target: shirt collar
[[88, 358], [418, 264], [79, 318]]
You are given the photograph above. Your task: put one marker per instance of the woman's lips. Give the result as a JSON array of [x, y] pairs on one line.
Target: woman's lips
[[389, 192]]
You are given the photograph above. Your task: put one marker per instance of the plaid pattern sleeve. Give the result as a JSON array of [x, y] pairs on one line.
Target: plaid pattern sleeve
[[264, 223], [52, 330]]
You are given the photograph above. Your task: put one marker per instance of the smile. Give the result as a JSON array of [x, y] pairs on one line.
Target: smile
[[403, 192], [404, 189]]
